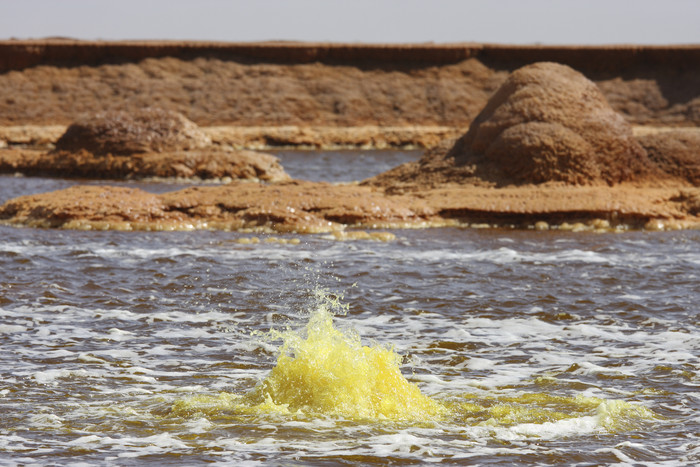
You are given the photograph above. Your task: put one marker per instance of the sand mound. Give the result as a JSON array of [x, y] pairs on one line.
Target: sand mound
[[538, 152], [124, 133], [147, 143], [546, 123]]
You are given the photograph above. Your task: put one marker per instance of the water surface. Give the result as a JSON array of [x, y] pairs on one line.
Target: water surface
[[538, 347]]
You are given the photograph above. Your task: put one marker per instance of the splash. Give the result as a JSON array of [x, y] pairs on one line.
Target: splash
[[323, 370]]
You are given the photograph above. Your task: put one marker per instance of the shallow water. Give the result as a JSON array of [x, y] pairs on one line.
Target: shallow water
[[341, 165], [535, 347]]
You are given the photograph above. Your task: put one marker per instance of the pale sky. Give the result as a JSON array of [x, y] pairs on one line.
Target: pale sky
[[374, 21]]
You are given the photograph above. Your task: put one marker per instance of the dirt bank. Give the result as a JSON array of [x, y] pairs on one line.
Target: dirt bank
[[20, 54], [323, 85]]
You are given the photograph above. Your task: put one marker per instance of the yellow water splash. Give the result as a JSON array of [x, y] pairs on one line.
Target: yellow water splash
[[324, 370]]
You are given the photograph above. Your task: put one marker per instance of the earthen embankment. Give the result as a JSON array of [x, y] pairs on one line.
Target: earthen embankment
[[276, 84], [20, 54]]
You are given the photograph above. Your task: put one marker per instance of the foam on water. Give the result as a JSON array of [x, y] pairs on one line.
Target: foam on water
[[555, 349]]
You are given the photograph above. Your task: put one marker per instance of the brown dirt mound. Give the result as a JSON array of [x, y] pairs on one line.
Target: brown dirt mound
[[675, 152], [546, 123], [550, 123], [538, 152], [140, 131], [147, 143]]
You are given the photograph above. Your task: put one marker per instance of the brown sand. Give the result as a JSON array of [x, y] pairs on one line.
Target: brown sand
[[344, 98]]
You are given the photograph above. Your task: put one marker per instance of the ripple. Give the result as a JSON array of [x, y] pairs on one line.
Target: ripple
[[102, 331]]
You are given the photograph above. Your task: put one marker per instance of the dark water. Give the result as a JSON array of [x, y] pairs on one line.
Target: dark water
[[547, 347]]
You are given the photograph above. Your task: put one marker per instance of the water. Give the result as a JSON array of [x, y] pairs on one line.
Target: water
[[525, 347], [342, 165]]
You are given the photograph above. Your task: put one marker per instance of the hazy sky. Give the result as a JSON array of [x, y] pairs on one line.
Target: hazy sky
[[501, 21]]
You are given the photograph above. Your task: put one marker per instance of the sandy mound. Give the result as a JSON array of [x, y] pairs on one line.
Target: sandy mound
[[546, 123], [147, 143], [122, 133]]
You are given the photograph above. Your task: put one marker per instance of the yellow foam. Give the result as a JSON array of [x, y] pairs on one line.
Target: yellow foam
[[541, 408]]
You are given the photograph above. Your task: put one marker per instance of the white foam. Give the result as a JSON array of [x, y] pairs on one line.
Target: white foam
[[402, 443], [199, 425], [505, 255], [50, 376], [588, 368], [85, 440], [622, 457], [46, 420], [476, 363]]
